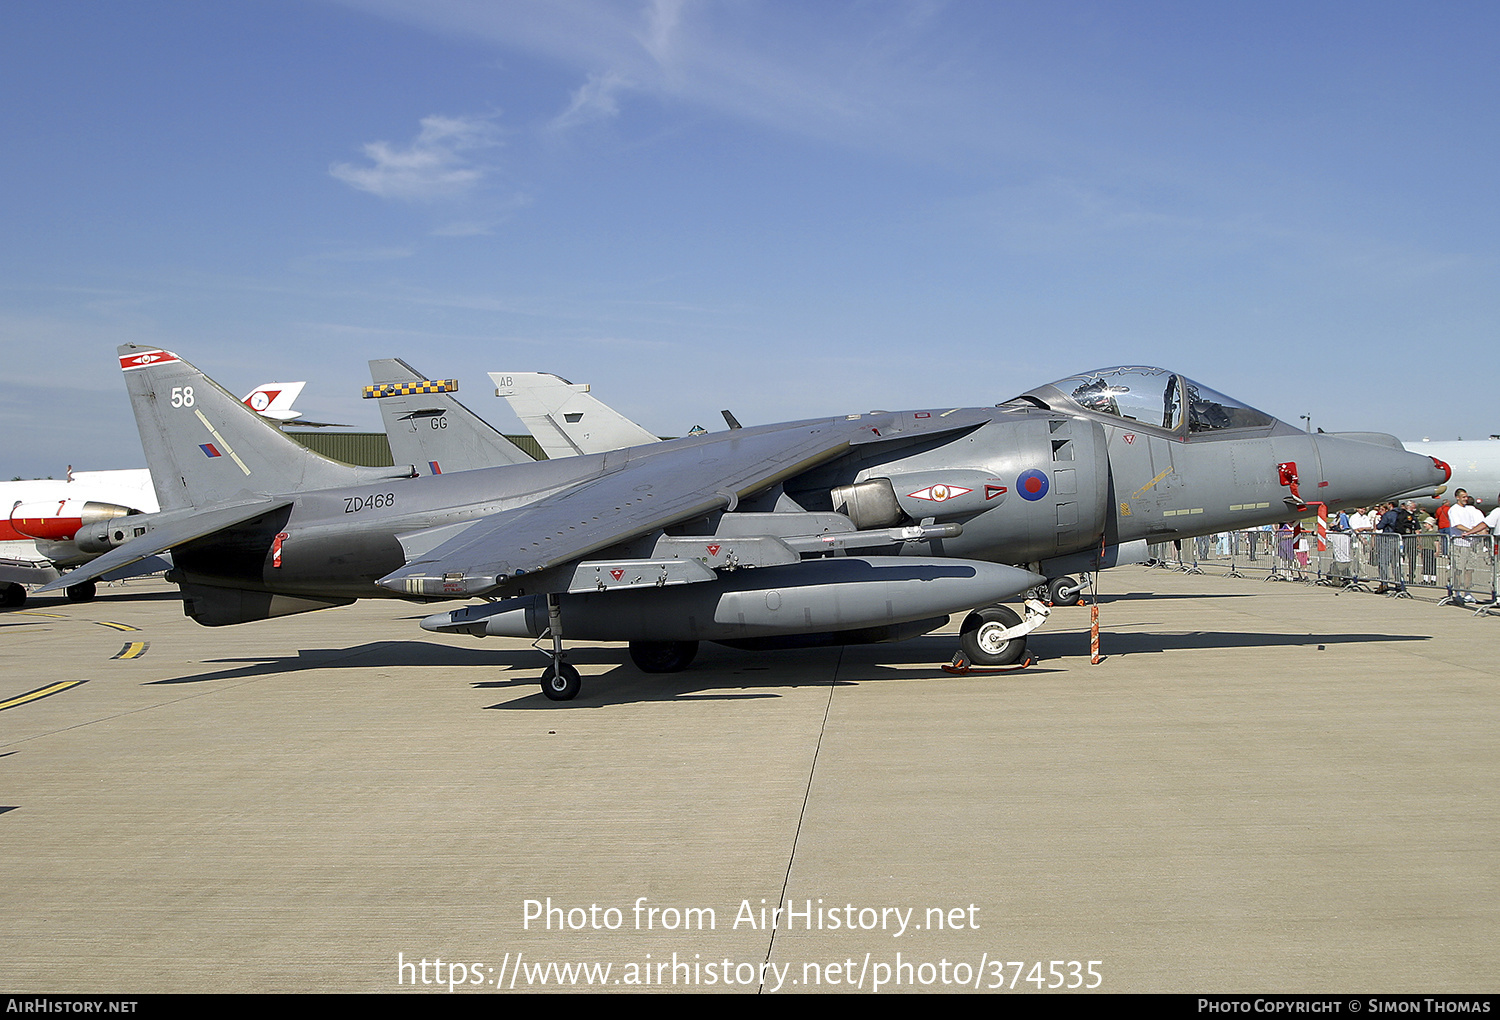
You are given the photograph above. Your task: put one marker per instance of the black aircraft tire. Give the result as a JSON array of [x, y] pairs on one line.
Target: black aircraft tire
[[977, 637], [561, 682], [1056, 585], [662, 656], [12, 595], [81, 592]]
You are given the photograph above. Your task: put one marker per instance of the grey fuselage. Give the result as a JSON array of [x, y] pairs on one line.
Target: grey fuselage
[[1038, 479]]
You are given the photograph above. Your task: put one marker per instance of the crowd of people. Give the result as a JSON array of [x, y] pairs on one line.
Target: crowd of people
[[1393, 544]]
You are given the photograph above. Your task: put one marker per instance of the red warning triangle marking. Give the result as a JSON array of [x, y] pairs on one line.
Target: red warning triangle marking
[[991, 491], [713, 550], [617, 574]]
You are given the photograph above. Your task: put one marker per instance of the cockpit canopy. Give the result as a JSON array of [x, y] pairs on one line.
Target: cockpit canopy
[[1148, 396]]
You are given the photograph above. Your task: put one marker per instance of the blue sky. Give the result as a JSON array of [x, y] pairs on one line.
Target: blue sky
[[784, 208]]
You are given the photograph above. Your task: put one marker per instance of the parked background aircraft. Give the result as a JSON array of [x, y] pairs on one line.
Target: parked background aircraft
[[1476, 467], [835, 530], [38, 536], [429, 428], [564, 418]]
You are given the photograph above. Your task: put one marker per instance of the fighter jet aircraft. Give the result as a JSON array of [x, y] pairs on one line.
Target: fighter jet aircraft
[[834, 530]]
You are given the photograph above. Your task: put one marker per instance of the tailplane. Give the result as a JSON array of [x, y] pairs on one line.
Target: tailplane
[[204, 447]]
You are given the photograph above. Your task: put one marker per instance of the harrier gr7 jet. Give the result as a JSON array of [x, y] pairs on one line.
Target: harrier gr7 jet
[[867, 527]]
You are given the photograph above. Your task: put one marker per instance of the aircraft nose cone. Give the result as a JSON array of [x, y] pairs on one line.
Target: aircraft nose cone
[[1360, 471]]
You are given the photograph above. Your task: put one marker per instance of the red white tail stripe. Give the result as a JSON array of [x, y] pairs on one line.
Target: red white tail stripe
[[146, 358]]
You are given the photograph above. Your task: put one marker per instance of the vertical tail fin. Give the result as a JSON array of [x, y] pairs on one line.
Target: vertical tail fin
[[204, 446], [564, 418], [428, 427]]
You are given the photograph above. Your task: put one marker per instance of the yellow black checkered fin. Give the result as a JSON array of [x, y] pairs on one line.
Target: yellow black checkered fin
[[406, 389]]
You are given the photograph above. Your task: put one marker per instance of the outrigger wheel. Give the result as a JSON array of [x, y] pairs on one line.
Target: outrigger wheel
[[984, 640], [12, 594], [560, 681]]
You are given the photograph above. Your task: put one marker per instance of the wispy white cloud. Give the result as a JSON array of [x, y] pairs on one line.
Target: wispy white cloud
[[439, 163], [861, 73], [662, 20], [595, 99]]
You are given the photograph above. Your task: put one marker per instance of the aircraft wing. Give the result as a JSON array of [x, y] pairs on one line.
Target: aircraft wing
[[655, 488], [167, 530], [25, 569]]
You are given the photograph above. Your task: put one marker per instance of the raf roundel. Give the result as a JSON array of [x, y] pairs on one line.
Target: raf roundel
[[1032, 485]]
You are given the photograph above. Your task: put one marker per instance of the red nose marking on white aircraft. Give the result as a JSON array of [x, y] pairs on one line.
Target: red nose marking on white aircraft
[[261, 399]]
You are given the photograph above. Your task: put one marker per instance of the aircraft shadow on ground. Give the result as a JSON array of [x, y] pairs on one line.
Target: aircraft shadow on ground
[[106, 596], [376, 654], [1151, 596], [1128, 642], [719, 670]]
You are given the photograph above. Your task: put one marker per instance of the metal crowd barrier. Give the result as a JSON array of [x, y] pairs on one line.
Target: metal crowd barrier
[[1446, 568]]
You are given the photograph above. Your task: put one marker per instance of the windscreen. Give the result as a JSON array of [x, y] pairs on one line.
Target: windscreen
[[1151, 396]]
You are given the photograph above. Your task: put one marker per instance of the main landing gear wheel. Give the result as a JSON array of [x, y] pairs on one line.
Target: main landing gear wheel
[[12, 595], [1064, 591], [662, 656], [982, 637], [81, 592], [561, 682]]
